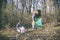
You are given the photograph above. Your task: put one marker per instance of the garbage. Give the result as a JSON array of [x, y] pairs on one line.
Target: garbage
[[21, 29]]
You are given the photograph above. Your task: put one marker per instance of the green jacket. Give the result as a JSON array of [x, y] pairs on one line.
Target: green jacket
[[39, 22]]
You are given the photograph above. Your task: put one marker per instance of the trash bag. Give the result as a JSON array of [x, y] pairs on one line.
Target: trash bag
[[21, 29]]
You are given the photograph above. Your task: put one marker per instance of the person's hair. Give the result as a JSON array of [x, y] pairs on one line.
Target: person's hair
[[39, 13]]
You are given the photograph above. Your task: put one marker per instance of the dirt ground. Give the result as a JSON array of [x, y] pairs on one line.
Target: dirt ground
[[48, 32]]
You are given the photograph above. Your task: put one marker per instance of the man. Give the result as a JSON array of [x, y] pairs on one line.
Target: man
[[33, 19], [38, 19]]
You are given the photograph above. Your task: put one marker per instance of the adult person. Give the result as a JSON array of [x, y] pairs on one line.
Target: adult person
[[38, 19]]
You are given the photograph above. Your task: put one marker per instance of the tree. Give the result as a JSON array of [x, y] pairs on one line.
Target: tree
[[1, 5]]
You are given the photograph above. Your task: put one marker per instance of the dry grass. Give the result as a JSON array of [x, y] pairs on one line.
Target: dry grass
[[47, 30]]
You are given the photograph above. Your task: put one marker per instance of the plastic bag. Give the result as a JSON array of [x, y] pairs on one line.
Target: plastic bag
[[21, 29]]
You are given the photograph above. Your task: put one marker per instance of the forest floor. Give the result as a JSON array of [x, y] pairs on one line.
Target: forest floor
[[48, 32]]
